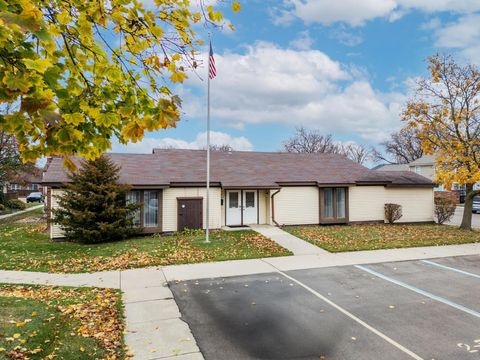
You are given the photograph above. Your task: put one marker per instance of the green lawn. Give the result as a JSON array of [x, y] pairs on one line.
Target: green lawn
[[24, 245], [382, 236], [42, 322]]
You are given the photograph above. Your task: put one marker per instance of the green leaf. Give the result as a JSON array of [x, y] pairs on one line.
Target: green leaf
[[43, 35], [74, 119], [39, 65], [16, 83]]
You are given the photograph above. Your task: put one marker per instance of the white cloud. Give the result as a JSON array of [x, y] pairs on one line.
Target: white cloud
[[356, 13], [353, 12], [302, 42], [346, 37], [463, 35], [432, 24], [200, 142], [269, 84]]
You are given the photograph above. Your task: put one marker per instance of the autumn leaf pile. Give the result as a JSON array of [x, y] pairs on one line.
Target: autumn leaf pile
[[382, 236], [95, 313]]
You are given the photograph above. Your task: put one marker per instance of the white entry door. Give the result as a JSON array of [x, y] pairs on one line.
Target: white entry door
[[250, 207], [234, 208]]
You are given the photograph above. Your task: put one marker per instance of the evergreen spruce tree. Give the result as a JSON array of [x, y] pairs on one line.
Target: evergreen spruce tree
[[92, 208]]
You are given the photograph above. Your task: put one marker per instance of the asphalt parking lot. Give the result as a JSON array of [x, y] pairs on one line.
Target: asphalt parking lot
[[399, 310]]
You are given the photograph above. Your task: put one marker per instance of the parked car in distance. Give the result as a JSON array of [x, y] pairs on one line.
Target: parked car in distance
[[35, 197], [476, 205]]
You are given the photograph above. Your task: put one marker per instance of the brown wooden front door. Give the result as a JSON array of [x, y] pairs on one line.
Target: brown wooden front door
[[189, 213]]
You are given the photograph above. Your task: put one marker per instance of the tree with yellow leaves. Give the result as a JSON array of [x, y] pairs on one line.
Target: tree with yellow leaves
[[446, 112], [83, 72]]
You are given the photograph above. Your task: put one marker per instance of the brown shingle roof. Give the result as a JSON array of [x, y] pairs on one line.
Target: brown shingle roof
[[230, 169], [30, 176], [396, 178]]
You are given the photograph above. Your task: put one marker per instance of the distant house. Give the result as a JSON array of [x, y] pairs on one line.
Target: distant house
[[256, 188], [425, 166], [25, 182]]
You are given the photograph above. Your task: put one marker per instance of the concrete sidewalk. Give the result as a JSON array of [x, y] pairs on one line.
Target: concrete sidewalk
[[154, 327], [286, 263], [296, 245], [21, 212]]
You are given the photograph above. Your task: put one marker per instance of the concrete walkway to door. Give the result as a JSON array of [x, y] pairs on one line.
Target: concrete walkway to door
[[296, 245]]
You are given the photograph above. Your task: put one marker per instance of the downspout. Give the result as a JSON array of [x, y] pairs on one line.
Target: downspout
[[273, 206]]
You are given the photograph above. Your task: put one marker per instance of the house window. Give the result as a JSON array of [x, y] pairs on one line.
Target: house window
[[150, 208], [250, 199], [147, 215], [328, 203], [418, 169], [233, 199], [15, 187], [32, 186], [133, 197], [340, 202], [333, 205]]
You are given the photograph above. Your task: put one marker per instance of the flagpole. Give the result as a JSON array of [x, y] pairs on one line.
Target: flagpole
[[207, 225]]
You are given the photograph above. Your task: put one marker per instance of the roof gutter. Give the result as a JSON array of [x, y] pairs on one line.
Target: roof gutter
[[273, 206]]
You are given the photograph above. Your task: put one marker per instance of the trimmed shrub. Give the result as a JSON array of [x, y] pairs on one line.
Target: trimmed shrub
[[16, 204], [444, 209], [2, 207], [393, 212]]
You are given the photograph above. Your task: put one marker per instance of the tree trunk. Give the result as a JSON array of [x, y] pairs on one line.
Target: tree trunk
[[467, 209]]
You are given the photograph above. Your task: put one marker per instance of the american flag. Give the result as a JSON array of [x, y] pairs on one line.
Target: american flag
[[212, 71]]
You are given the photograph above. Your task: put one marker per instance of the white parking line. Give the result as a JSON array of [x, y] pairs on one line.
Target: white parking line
[[420, 291], [451, 268], [353, 317]]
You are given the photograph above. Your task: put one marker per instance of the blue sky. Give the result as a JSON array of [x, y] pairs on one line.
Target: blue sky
[[344, 67]]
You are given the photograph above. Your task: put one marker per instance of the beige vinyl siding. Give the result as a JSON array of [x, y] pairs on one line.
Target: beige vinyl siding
[[169, 200], [55, 229], [425, 170], [295, 205], [367, 203], [417, 203], [263, 204]]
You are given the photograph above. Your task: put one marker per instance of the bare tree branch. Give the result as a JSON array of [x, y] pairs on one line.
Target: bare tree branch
[[304, 141], [403, 147]]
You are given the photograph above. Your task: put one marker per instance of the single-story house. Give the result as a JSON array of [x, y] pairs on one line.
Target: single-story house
[[256, 188]]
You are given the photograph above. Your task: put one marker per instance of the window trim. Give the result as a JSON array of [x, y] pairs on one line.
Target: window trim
[[334, 219], [153, 229]]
